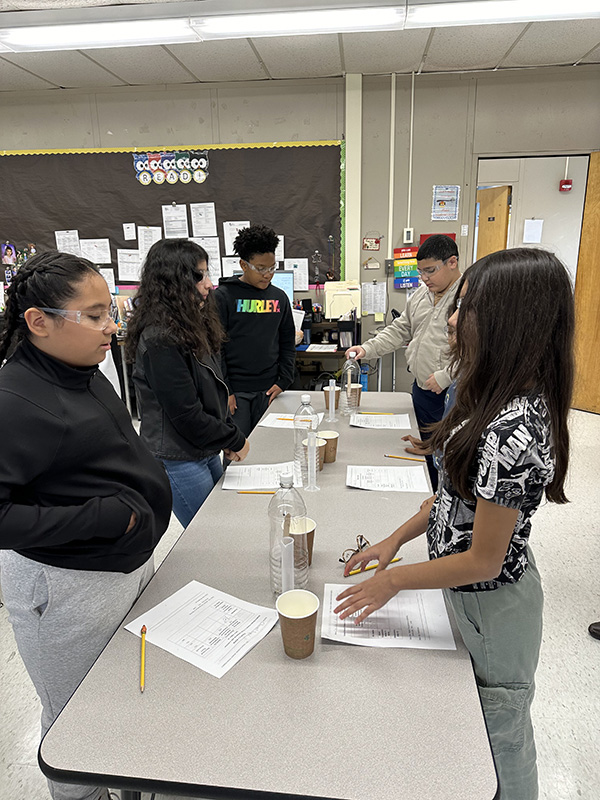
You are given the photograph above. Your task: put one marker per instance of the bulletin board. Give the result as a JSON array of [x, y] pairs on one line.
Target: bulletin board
[[296, 188]]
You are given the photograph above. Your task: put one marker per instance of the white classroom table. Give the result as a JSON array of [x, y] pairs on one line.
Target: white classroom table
[[349, 722]]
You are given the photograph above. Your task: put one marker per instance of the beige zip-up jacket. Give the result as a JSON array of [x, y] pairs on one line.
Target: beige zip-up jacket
[[422, 325]]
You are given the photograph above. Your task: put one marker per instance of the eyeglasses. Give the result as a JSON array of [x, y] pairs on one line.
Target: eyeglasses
[[261, 270], [361, 544], [431, 270], [98, 322]]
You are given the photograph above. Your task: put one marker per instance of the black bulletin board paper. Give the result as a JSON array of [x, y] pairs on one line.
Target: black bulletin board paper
[[293, 189]]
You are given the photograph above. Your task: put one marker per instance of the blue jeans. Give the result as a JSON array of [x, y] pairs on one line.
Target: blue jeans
[[191, 483], [429, 407]]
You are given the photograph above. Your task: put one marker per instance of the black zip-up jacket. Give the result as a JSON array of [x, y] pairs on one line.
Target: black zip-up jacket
[[260, 350], [72, 469], [182, 401]]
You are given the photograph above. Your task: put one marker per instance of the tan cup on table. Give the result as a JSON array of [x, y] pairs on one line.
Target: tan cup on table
[[297, 611], [300, 526], [337, 397], [331, 437], [356, 389], [321, 445]]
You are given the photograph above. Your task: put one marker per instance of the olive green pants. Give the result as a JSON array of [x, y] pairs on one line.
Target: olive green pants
[[502, 630]]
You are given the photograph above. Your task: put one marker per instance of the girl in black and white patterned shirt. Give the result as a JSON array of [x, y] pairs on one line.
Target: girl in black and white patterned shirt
[[505, 445]]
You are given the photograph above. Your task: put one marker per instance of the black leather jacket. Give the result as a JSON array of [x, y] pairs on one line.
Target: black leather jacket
[[182, 402]]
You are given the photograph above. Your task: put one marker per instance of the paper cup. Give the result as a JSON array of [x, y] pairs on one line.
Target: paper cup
[[331, 439], [321, 444], [297, 611], [304, 526], [356, 389], [337, 397]]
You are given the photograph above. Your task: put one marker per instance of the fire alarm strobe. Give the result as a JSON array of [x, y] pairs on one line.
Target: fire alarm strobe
[[566, 185]]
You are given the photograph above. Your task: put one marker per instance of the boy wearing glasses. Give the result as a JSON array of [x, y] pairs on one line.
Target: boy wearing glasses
[[258, 356], [422, 326]]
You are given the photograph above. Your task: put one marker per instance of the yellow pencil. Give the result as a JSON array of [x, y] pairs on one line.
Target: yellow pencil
[[248, 491], [378, 413], [405, 458], [143, 660], [373, 566], [291, 419]]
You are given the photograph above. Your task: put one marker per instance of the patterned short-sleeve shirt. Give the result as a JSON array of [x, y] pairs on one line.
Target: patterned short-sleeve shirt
[[514, 463]]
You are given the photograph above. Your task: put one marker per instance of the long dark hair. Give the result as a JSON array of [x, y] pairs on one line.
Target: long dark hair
[[514, 335], [48, 279], [169, 301]]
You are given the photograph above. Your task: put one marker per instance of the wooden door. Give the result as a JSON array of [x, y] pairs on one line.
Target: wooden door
[[493, 219], [587, 299]]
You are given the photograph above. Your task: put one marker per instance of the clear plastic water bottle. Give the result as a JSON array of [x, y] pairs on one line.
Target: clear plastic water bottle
[[305, 419], [349, 386], [288, 551]]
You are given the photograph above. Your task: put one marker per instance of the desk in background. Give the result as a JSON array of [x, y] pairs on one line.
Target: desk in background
[[350, 722]]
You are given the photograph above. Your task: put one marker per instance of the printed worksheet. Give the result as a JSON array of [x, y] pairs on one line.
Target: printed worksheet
[[230, 231], [109, 277], [147, 235], [242, 477], [204, 219], [205, 627], [375, 419], [128, 265], [68, 242], [387, 479], [95, 250], [230, 264], [213, 251], [300, 267], [413, 618], [175, 221]]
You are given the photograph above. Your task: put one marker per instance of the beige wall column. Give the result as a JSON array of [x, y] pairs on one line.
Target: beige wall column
[[353, 137]]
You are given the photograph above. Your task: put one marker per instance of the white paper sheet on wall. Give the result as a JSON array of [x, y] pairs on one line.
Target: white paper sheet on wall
[[109, 277], [129, 231], [374, 298], [280, 249], [128, 265], [175, 221], [300, 268], [229, 264], [230, 231], [147, 235], [68, 242], [213, 251], [532, 231], [95, 250], [204, 219]]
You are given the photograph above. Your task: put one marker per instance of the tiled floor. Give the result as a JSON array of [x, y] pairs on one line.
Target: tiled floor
[[566, 541]]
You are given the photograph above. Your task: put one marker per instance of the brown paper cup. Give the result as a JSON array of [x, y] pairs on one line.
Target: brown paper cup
[[337, 397], [304, 526], [331, 438], [321, 445], [356, 389], [297, 611]]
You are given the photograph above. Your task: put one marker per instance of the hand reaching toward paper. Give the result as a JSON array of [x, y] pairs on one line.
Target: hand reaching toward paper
[[368, 595]]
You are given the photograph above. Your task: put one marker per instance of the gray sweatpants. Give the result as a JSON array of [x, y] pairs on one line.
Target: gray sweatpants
[[62, 620], [502, 630]]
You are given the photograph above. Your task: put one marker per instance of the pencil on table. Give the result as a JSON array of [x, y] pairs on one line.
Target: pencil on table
[[143, 660], [248, 491], [373, 566], [405, 458]]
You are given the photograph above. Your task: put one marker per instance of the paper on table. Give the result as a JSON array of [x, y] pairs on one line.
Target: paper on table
[[205, 627], [230, 231], [321, 348], [147, 235], [374, 420], [413, 618], [175, 221], [95, 250], [109, 277], [68, 242], [128, 265], [282, 421], [387, 479], [300, 268], [204, 219], [242, 477]]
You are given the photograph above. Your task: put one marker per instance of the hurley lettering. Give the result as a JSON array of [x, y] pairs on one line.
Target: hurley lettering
[[258, 307]]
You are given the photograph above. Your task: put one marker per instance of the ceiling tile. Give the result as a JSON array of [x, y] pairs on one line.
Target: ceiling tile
[[470, 47], [300, 56], [228, 60], [546, 43], [68, 69], [141, 65], [15, 79], [384, 52]]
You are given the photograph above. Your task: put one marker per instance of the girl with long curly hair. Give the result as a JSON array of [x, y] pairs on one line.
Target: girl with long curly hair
[[173, 339]]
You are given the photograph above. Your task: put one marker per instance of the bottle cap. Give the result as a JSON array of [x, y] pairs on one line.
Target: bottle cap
[[305, 398], [286, 479], [352, 354]]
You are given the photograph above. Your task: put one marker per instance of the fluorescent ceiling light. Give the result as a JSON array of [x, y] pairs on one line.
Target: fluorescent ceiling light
[[94, 35], [487, 12], [293, 23]]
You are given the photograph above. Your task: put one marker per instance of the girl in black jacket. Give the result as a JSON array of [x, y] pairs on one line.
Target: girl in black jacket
[[182, 398], [83, 503]]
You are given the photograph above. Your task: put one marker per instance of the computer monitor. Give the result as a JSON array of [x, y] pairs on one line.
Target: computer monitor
[[284, 279]]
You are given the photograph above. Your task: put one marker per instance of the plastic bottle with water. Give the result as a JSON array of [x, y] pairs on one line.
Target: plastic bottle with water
[[349, 386], [288, 552], [305, 419]]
